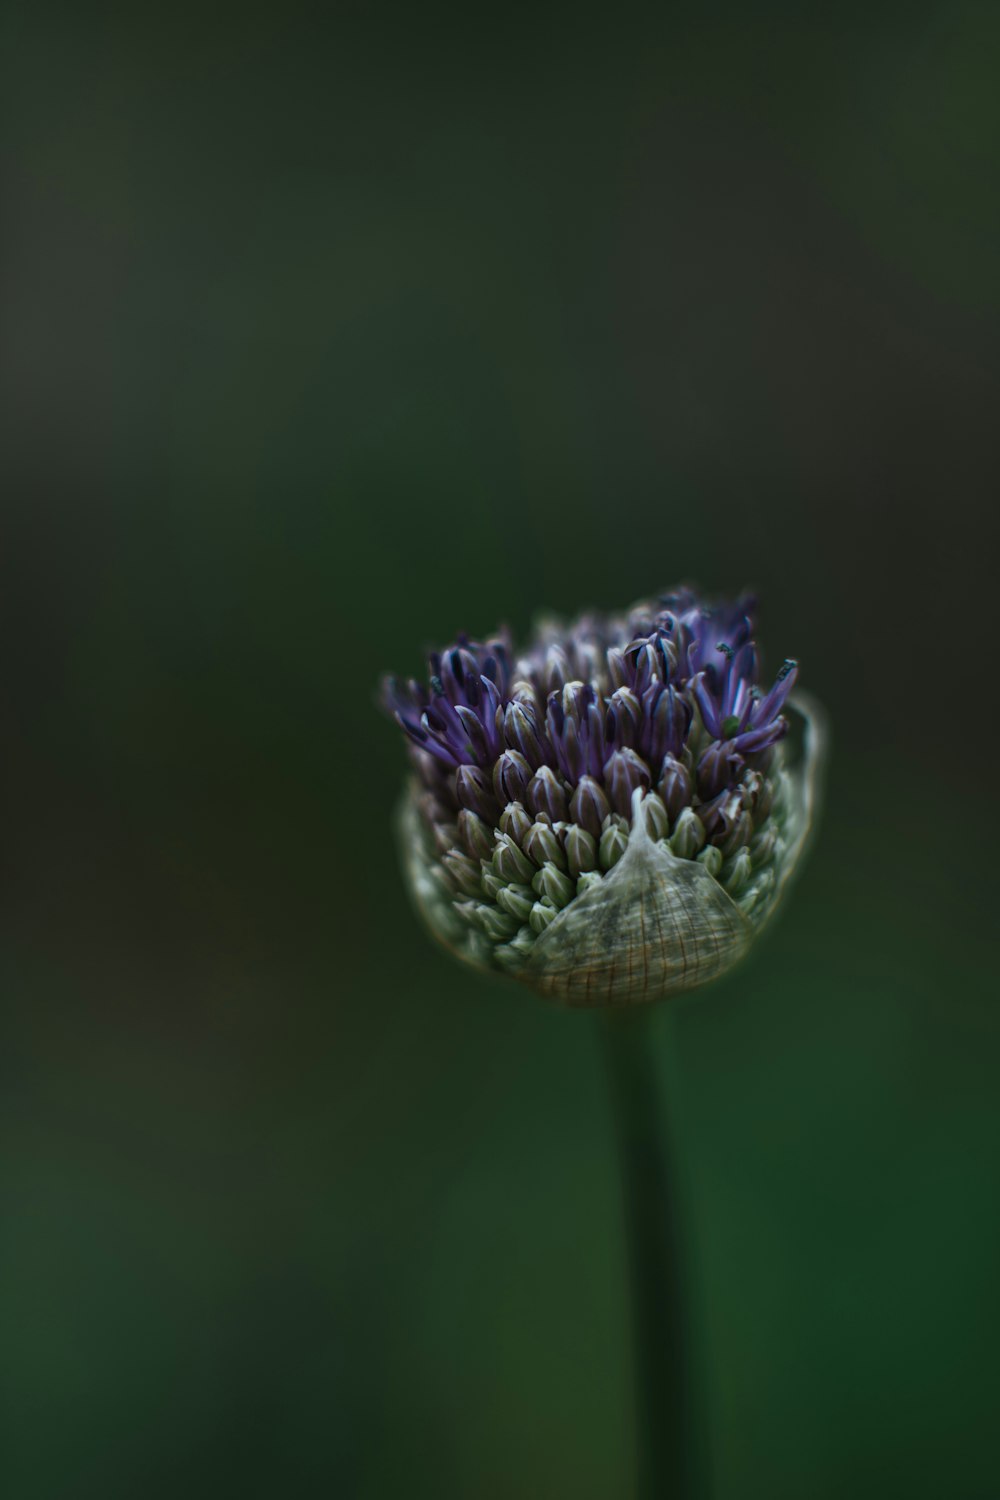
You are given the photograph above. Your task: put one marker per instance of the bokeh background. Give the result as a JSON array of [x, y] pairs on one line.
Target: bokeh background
[[325, 336]]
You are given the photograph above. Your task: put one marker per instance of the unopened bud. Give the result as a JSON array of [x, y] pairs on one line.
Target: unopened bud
[[498, 925], [546, 795], [516, 900], [515, 822], [589, 805], [511, 775], [464, 871], [474, 790], [624, 773], [762, 845], [688, 836], [522, 732], [509, 862], [475, 834], [581, 850], [737, 872], [738, 834], [674, 786], [553, 883], [540, 844], [657, 822], [614, 842], [541, 914]]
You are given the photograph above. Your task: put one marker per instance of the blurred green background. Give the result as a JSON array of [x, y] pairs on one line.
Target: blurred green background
[[326, 336]]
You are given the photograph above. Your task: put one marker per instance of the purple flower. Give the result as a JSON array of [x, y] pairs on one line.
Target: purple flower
[[731, 706], [658, 682], [530, 773], [454, 718]]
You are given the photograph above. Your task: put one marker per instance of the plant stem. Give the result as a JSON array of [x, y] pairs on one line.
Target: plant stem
[[666, 1435]]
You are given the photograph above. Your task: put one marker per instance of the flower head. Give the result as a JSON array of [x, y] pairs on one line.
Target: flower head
[[611, 816]]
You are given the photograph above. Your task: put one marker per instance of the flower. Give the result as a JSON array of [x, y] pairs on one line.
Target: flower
[[611, 816]]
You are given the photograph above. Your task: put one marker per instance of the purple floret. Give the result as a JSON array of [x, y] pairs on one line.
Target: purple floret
[[664, 698], [455, 718]]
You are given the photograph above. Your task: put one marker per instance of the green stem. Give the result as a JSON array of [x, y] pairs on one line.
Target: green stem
[[666, 1435]]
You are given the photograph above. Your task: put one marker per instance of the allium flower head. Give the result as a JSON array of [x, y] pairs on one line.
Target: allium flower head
[[611, 816]]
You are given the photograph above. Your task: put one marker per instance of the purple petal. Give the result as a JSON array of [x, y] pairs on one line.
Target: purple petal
[[706, 706], [773, 701]]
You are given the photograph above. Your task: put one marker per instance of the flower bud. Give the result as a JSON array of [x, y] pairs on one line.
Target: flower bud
[[474, 790], [546, 795], [614, 841], [589, 806], [498, 925], [541, 915], [758, 893], [718, 768], [624, 773], [624, 719], [445, 836], [737, 832], [515, 821], [581, 850], [654, 805], [751, 784], [511, 775], [516, 900], [618, 671], [551, 882], [522, 732], [509, 862], [541, 845], [764, 804], [674, 786], [464, 871], [476, 834], [657, 820], [521, 944], [763, 844], [688, 835], [736, 872]]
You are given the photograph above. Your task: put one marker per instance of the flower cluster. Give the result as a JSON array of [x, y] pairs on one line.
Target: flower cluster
[[528, 768]]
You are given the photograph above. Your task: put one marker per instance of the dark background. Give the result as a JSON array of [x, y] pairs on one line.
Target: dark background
[[324, 338]]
